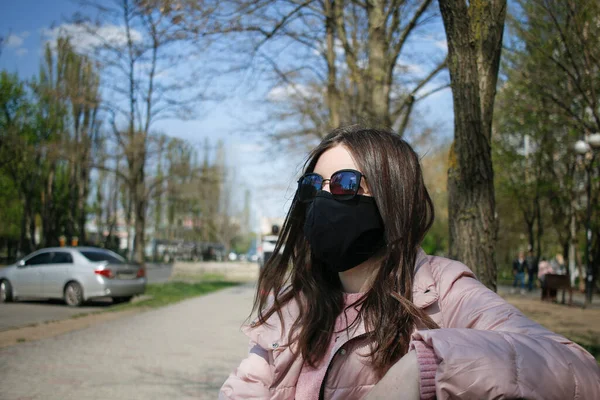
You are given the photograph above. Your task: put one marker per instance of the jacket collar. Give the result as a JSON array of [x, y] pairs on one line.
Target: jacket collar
[[424, 290]]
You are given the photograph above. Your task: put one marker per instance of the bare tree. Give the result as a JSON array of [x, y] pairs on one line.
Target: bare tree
[[474, 33], [347, 65], [145, 83], [81, 88], [227, 224]]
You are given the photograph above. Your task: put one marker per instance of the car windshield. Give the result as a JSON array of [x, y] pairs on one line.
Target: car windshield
[[102, 256]]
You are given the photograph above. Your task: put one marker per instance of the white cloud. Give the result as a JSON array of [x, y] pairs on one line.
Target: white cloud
[[414, 68], [15, 40], [285, 92], [410, 68], [441, 44], [86, 38], [250, 147]]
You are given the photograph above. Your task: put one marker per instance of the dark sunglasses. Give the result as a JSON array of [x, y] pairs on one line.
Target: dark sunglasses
[[343, 185]]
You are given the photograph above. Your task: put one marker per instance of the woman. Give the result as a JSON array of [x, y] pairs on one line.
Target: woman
[[352, 308]]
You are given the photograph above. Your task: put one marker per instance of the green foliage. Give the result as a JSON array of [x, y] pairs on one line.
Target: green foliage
[[10, 209], [435, 244], [45, 130], [172, 292], [542, 108], [17, 138]]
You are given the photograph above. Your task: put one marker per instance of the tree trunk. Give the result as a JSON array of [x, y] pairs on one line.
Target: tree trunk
[[82, 212], [333, 94], [530, 233], [73, 190], [474, 35], [82, 196], [565, 253], [471, 219], [139, 202], [140, 227], [379, 88], [23, 245], [48, 218], [573, 247], [540, 227], [31, 221]]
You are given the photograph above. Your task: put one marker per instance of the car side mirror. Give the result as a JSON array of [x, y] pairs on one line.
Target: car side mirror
[[21, 264]]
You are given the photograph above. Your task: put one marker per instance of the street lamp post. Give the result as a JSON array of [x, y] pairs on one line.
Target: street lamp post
[[587, 149]]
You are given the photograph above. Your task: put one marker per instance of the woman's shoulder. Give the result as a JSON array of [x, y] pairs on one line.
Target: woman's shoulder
[[275, 330], [446, 269], [444, 273]]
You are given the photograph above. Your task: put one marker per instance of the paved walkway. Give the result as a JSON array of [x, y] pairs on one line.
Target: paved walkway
[[183, 351], [536, 294]]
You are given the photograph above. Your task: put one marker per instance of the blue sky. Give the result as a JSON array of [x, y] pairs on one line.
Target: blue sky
[[248, 152]]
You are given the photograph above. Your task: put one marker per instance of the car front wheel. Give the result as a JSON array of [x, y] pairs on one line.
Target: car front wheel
[[5, 292], [73, 294]]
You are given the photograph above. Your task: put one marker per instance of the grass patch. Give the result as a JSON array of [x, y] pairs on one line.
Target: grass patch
[[162, 294], [588, 340], [21, 340], [579, 325], [197, 277]]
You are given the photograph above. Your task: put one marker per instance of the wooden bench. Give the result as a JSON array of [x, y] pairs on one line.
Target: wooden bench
[[553, 283]]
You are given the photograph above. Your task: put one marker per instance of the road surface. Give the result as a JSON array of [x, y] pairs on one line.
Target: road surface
[[183, 351]]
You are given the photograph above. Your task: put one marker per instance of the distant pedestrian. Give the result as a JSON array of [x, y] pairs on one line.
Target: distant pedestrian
[[544, 269], [558, 264], [532, 269], [352, 308], [519, 268]]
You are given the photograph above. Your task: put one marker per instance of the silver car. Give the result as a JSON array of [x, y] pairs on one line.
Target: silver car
[[75, 274]]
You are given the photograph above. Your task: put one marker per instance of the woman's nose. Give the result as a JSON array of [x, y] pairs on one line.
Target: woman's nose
[[325, 185]]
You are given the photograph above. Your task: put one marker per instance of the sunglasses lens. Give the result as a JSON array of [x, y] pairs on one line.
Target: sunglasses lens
[[344, 183], [309, 186]]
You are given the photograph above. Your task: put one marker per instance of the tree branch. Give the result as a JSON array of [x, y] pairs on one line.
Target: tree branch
[[397, 48]]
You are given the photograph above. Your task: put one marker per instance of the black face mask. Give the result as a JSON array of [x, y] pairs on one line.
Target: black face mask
[[343, 234]]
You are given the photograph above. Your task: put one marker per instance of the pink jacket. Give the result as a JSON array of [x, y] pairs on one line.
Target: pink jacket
[[485, 349], [544, 269]]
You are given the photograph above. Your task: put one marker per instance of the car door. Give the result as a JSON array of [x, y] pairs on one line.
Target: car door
[[28, 277], [55, 274]]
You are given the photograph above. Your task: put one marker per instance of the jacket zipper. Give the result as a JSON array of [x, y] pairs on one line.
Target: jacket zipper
[[322, 389]]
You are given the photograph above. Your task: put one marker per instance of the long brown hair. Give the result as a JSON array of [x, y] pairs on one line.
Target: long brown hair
[[395, 181]]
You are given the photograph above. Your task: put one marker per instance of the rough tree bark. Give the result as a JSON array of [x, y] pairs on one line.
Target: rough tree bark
[[379, 87], [333, 94], [474, 34]]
